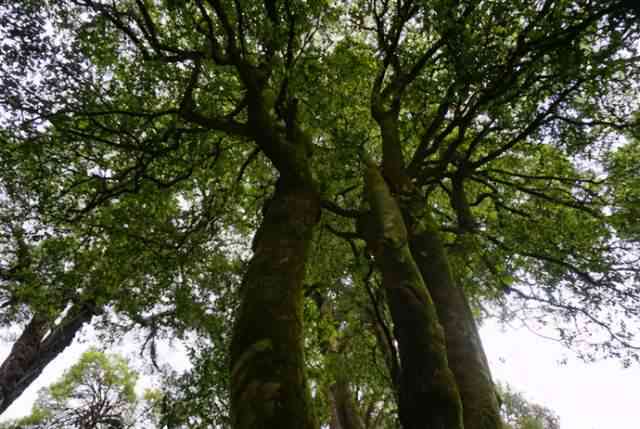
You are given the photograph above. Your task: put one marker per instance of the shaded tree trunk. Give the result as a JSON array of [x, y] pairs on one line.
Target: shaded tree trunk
[[268, 387], [345, 413], [429, 397], [34, 350], [466, 355]]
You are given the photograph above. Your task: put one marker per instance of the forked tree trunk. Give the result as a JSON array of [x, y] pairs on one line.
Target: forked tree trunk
[[429, 398], [465, 353], [34, 350], [268, 387]]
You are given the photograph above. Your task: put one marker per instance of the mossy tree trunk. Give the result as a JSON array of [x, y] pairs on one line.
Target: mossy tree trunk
[[268, 388], [465, 353], [429, 398], [268, 384]]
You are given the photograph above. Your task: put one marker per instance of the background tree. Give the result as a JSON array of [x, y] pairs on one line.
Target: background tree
[[98, 392], [519, 413]]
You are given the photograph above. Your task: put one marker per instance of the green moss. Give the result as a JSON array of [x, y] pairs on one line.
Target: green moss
[[428, 392], [267, 379], [464, 349]]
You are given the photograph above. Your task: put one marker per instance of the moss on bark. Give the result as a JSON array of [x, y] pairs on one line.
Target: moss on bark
[[268, 387], [465, 353], [429, 396]]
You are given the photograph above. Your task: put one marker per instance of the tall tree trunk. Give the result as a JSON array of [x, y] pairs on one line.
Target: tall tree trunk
[[268, 386], [463, 347], [465, 353], [429, 398], [34, 350], [345, 415]]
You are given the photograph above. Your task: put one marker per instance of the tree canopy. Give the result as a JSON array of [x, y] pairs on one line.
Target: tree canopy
[[324, 194], [522, 414], [97, 392]]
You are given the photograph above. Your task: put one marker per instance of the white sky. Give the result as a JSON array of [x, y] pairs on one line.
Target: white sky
[[601, 395]]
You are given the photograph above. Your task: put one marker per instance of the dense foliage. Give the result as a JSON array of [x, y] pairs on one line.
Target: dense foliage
[[380, 170]]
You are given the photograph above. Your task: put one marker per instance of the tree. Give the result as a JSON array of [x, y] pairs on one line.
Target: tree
[[97, 392], [454, 149], [518, 413]]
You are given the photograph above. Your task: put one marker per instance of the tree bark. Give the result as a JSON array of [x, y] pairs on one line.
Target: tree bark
[[465, 353], [429, 396], [345, 415], [268, 386], [34, 350]]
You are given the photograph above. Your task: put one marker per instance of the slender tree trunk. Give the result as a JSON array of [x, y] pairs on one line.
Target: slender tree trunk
[[345, 413], [429, 398], [32, 351], [268, 387], [384, 339], [465, 353], [334, 422]]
